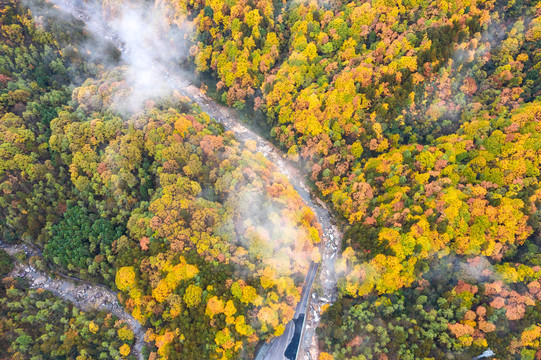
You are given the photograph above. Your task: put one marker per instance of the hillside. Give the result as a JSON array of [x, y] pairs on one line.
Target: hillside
[[418, 123]]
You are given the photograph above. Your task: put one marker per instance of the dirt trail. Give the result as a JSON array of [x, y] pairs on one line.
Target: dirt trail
[[81, 294]]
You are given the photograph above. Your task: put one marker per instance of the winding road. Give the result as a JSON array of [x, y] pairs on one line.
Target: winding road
[[310, 304]]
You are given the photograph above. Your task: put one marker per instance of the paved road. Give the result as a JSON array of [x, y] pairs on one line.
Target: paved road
[[278, 346]]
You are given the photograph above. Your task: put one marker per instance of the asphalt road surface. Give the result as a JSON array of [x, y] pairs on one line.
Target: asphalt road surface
[[278, 346]]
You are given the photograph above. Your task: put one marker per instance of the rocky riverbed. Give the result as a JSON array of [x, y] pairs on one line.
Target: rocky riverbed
[[81, 294]]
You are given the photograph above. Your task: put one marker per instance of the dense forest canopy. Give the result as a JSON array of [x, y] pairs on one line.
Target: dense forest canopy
[[37, 325], [206, 242], [418, 122]]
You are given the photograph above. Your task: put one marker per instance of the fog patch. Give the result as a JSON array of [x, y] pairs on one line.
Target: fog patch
[[269, 234], [149, 47]]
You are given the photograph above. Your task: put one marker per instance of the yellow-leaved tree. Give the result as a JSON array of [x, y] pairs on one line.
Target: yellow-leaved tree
[[125, 278]]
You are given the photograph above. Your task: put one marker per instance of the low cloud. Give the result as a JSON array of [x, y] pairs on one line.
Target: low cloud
[[149, 45]]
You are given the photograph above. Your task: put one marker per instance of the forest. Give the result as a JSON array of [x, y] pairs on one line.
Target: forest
[[418, 122], [154, 205], [37, 325]]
